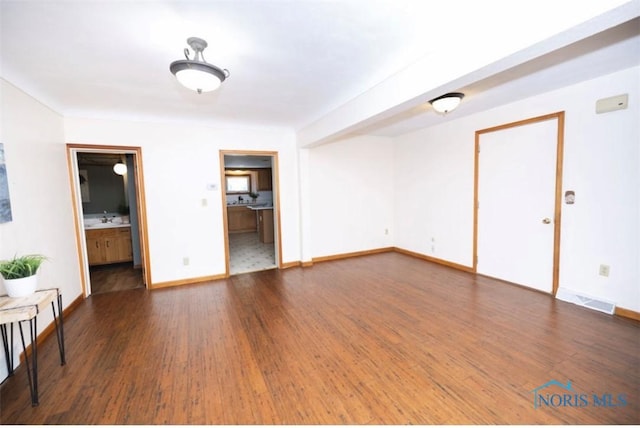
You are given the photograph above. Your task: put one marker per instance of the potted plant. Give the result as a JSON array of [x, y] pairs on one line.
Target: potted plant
[[19, 274], [254, 196]]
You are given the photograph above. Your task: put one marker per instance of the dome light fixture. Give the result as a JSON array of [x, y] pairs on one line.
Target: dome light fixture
[[197, 74], [447, 102], [120, 168]]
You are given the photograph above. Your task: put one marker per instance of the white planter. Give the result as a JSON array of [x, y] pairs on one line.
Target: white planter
[[21, 287]]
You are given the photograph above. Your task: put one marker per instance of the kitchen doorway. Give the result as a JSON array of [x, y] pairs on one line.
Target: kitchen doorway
[[249, 184], [108, 206]]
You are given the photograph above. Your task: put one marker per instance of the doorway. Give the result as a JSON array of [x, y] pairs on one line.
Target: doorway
[[518, 187], [108, 201], [249, 184]]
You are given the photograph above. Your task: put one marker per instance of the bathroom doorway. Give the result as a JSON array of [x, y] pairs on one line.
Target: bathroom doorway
[[107, 195], [249, 184]]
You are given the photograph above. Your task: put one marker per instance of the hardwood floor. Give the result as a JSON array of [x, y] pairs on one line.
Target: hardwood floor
[[382, 339], [115, 277]]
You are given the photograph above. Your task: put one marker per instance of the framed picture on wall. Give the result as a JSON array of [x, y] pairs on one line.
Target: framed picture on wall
[[5, 201]]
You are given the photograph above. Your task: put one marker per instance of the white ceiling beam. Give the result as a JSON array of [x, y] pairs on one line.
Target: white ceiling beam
[[425, 80]]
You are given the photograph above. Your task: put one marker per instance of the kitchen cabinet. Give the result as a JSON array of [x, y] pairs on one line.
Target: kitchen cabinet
[[265, 225], [264, 179], [241, 219], [109, 245]]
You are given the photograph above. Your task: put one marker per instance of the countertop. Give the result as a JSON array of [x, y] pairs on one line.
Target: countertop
[[255, 207], [105, 225]]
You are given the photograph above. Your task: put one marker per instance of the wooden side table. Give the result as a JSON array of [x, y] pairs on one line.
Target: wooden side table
[[22, 309]]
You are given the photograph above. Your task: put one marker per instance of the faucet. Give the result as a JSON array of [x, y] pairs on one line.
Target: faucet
[[104, 218]]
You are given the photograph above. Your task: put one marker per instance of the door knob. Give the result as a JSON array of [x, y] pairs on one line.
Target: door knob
[[546, 220]]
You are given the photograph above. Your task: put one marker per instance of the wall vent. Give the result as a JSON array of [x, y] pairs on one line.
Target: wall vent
[[586, 301]]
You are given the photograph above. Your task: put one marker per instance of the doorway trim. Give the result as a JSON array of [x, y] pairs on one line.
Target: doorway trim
[[276, 202], [557, 223], [138, 176]]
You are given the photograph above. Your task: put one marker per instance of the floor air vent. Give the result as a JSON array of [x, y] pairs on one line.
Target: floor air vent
[[586, 301]]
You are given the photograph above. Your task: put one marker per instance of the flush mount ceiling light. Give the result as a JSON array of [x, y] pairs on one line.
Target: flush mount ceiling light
[[197, 74], [447, 102], [120, 168]]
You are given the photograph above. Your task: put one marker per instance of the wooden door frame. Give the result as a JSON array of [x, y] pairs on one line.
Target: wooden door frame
[[138, 176], [276, 201], [559, 116]]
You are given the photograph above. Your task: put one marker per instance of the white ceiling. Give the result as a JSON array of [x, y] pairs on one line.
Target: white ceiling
[[291, 61]]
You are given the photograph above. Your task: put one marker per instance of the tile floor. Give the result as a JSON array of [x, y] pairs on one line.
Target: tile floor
[[248, 254]]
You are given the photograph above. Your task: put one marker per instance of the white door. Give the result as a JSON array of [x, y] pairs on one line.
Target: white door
[[516, 200]]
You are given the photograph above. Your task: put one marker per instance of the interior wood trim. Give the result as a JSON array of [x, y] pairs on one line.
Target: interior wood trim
[[434, 260], [557, 223], [627, 313], [76, 220], [51, 327], [188, 281], [275, 174], [298, 263], [559, 117], [476, 174], [275, 192], [140, 204], [353, 254], [142, 219], [290, 265], [225, 220]]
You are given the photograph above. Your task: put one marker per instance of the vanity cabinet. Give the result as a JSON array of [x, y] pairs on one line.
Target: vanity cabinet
[[111, 245], [241, 219]]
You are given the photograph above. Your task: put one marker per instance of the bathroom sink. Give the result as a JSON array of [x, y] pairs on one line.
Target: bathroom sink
[[106, 225]]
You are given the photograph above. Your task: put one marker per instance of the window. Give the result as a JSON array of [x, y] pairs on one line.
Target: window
[[238, 183]]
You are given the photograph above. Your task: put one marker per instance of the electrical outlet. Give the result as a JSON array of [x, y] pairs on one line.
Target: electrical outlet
[[386, 231], [604, 270], [204, 202], [185, 261]]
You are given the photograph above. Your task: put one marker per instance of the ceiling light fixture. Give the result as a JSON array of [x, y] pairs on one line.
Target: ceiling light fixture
[[120, 168], [447, 102], [197, 74]]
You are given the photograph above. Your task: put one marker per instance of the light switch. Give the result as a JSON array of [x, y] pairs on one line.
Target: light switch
[[204, 202]]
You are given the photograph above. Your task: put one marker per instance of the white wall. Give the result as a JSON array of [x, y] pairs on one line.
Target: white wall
[[601, 164], [351, 195], [40, 196], [434, 192], [179, 161]]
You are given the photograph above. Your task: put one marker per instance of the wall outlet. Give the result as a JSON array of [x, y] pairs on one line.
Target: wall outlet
[[604, 270], [204, 202], [185, 261], [386, 231]]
